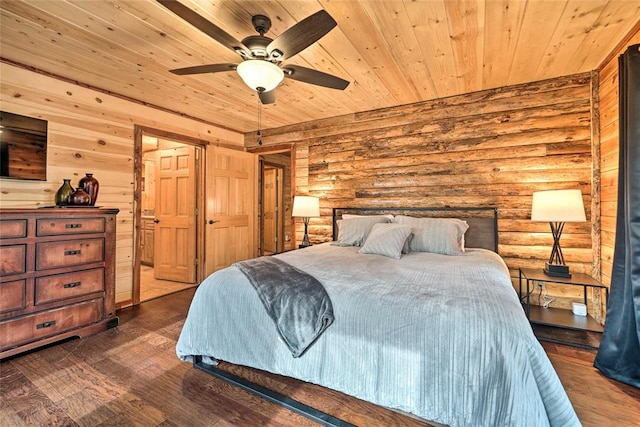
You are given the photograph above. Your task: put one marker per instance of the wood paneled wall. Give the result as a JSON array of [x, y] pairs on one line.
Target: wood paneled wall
[[90, 131], [609, 152], [489, 148]]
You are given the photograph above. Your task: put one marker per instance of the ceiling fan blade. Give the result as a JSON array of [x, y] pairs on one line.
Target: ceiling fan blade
[[201, 69], [302, 35], [204, 25], [307, 75], [267, 97]]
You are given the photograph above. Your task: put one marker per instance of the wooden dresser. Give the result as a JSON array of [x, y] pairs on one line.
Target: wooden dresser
[[57, 275]]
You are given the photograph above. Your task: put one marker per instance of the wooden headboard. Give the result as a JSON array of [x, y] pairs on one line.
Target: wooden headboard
[[483, 222]]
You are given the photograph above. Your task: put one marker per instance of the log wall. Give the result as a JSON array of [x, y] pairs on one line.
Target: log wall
[[609, 152], [489, 148], [90, 131]]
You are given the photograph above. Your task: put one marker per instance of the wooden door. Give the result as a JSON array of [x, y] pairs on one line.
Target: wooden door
[[231, 207], [270, 210], [175, 215]]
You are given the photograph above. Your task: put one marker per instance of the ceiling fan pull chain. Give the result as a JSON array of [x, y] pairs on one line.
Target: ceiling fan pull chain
[[259, 133]]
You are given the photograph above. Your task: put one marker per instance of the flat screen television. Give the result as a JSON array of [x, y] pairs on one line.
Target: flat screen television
[[23, 147]]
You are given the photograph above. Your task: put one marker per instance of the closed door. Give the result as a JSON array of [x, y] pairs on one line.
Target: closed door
[[175, 215], [231, 186]]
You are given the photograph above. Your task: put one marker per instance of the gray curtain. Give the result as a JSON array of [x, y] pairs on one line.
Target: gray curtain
[[619, 353]]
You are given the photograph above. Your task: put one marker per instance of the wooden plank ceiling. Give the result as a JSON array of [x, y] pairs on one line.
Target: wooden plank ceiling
[[392, 52]]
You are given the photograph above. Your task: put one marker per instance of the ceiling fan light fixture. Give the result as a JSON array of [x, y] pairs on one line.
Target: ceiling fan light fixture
[[258, 73]]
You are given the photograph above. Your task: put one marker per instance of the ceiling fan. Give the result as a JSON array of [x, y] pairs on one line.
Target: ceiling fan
[[262, 69]]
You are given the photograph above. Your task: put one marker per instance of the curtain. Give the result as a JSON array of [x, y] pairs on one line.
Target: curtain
[[619, 353]]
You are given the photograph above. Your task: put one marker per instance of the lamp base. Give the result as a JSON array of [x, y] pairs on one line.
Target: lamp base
[[556, 270]]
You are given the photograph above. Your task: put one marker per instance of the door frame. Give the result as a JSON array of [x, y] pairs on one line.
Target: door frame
[[276, 149], [279, 204], [139, 132]]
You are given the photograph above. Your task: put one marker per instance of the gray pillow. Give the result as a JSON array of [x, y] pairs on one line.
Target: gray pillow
[[354, 231], [437, 235], [387, 240]]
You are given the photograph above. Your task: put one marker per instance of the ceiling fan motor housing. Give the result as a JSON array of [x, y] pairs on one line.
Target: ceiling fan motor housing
[[258, 46], [261, 23]]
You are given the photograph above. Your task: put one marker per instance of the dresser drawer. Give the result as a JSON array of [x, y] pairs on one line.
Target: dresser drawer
[[60, 226], [13, 259], [61, 286], [30, 328], [13, 296], [68, 252], [13, 228]]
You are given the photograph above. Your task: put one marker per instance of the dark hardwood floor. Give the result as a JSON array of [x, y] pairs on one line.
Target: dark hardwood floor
[[131, 376]]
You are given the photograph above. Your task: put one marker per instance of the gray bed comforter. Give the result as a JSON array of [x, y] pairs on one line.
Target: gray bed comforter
[[442, 337]]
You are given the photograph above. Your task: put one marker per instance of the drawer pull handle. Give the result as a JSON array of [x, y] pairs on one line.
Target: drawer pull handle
[[73, 226], [75, 252], [46, 324], [71, 285]]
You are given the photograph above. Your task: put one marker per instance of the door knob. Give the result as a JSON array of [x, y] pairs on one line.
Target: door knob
[[156, 221], [212, 221]]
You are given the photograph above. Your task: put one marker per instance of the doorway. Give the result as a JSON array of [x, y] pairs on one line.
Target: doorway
[[272, 209], [170, 181], [275, 201], [221, 229]]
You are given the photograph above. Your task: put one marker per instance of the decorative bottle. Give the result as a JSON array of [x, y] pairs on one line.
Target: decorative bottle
[[63, 193], [90, 185], [79, 198]]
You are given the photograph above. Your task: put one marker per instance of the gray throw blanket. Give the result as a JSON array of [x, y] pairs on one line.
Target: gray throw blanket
[[298, 304]]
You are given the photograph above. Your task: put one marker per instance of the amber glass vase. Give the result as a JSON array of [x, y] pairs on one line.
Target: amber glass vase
[[90, 185], [79, 198]]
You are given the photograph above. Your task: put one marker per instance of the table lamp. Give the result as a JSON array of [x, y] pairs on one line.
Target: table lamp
[[557, 207], [306, 207]]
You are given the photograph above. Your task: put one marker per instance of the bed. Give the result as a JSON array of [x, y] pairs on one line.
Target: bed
[[442, 337]]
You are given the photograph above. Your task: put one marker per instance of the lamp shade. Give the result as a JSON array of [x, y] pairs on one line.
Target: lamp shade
[[558, 206], [257, 73], [306, 206]]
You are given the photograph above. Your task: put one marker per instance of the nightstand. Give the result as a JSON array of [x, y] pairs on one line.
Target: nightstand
[[565, 320]]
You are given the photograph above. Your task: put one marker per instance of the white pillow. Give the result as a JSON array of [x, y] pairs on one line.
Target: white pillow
[[437, 235], [387, 240], [354, 231]]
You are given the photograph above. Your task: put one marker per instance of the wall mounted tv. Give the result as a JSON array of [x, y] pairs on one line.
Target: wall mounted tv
[[23, 147]]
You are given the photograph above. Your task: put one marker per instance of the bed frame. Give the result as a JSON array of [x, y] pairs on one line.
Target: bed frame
[[482, 233], [313, 414]]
